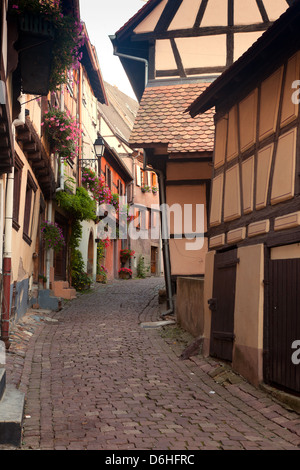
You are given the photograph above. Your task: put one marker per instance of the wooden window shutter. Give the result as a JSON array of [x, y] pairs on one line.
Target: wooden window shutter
[[138, 176]]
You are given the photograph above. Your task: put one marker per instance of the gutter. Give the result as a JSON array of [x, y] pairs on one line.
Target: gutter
[[130, 57]]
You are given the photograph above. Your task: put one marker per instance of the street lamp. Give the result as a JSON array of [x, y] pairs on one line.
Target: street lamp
[[99, 147]]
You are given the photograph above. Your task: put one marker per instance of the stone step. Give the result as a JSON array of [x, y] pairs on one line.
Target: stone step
[[2, 382], [11, 416], [63, 290]]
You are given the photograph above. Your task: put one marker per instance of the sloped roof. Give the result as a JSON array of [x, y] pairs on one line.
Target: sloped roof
[[161, 119], [90, 62], [120, 112], [138, 16]]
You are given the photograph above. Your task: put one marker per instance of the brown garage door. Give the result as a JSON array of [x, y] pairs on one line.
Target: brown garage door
[[283, 327]]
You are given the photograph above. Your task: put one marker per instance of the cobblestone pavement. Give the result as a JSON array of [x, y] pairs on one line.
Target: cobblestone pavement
[[94, 378]]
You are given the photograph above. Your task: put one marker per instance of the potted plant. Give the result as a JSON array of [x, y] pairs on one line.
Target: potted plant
[[145, 189], [101, 274], [52, 236], [48, 43], [154, 189], [125, 273], [126, 254]]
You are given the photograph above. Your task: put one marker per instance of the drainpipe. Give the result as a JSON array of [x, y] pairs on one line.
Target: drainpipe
[[165, 240], [130, 57], [7, 253], [61, 164], [48, 253]]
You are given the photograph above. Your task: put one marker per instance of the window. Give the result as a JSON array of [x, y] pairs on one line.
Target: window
[[138, 176], [31, 188], [154, 180], [120, 188], [129, 193], [108, 177], [17, 190]]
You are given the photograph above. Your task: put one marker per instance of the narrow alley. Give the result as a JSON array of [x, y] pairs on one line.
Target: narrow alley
[[96, 379]]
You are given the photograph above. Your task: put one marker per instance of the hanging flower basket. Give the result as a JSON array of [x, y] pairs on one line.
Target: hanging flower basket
[[125, 273], [63, 133], [52, 236], [126, 254]]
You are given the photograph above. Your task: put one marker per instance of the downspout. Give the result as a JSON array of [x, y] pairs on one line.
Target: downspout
[[165, 240], [61, 164], [48, 253], [7, 253], [80, 152], [130, 57]]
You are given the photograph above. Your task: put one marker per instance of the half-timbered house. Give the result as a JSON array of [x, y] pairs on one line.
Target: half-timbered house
[[171, 52], [253, 265]]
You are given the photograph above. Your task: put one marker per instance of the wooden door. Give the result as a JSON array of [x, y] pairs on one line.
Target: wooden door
[[153, 260], [283, 324], [222, 305]]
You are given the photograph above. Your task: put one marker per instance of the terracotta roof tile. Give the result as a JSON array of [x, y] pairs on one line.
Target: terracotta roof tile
[[161, 119]]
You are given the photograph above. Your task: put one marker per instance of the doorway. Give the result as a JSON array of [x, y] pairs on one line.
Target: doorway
[[222, 305]]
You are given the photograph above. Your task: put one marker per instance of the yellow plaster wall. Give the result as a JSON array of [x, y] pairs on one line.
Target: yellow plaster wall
[[248, 184], [232, 197], [186, 14], [286, 252], [269, 104], [22, 262], [216, 200], [289, 109], [264, 159], [284, 172], [179, 196], [220, 142], [187, 262], [242, 42], [248, 120], [164, 57], [151, 20], [249, 312], [193, 51], [246, 12], [232, 140], [208, 294], [188, 171], [215, 14]]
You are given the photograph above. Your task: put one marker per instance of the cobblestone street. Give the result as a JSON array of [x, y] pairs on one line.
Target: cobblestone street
[[95, 378]]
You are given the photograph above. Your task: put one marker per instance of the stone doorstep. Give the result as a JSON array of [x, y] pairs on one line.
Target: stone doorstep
[[285, 398], [63, 290], [11, 413]]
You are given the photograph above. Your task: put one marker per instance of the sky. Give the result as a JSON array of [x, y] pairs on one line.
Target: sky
[[104, 18]]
